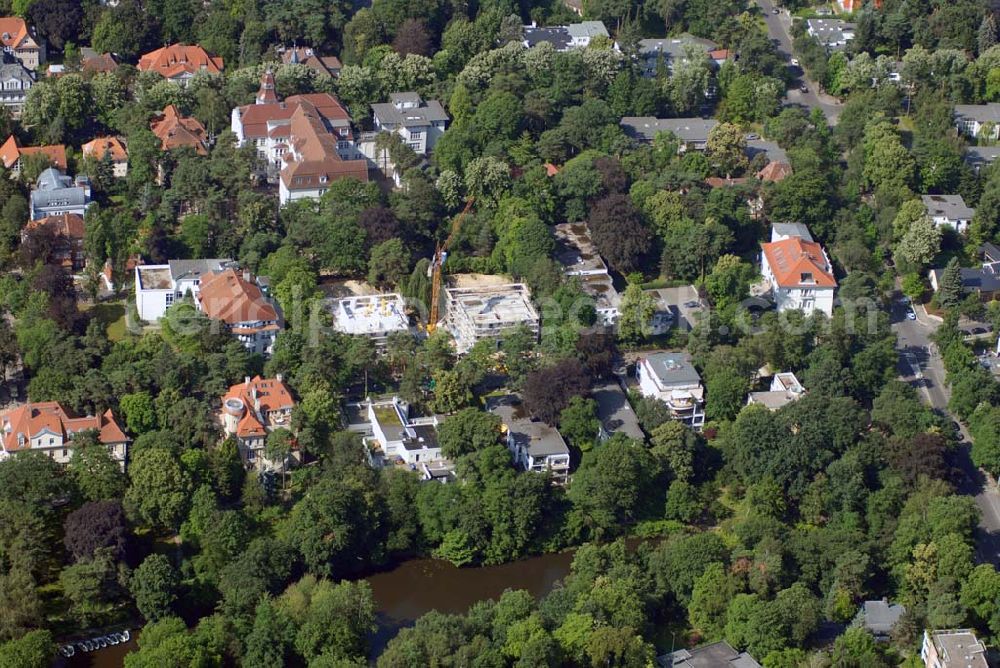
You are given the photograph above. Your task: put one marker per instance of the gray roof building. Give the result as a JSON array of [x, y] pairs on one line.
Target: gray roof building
[[615, 412], [781, 231], [408, 110], [773, 152], [978, 157], [538, 438], [564, 38], [990, 252], [673, 369], [980, 113], [952, 207], [671, 49], [186, 270], [716, 655], [831, 33], [688, 130], [55, 194], [15, 81], [879, 617]]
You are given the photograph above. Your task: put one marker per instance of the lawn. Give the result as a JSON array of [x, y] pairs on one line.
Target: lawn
[[112, 316]]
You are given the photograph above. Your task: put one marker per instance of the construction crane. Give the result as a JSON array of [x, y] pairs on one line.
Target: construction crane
[[434, 271]]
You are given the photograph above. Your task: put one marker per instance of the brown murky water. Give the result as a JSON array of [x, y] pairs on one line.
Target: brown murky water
[[109, 657], [416, 587]]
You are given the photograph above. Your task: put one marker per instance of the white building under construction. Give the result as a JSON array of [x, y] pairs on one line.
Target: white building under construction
[[372, 316], [476, 313]]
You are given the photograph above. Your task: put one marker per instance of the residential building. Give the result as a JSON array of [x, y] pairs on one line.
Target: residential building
[[954, 648], [692, 133], [773, 172], [785, 388], [253, 409], [314, 157], [92, 62], [158, 286], [20, 42], [372, 316], [49, 428], [534, 445], [564, 38], [305, 55], [396, 437], [419, 123], [782, 231], [615, 412], [879, 618], [55, 194], [267, 124], [239, 300], [672, 378], [68, 230], [112, 148], [978, 121], [980, 157], [176, 131], [15, 82], [476, 313], [717, 655], [834, 34], [983, 280], [667, 51], [576, 252], [798, 274], [948, 211], [676, 307], [13, 155], [179, 63]]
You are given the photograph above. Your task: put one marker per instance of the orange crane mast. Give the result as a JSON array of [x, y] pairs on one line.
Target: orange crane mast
[[440, 254]]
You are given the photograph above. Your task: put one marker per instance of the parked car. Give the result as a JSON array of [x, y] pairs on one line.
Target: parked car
[[911, 314], [752, 136], [794, 62], [804, 88], [775, 10]]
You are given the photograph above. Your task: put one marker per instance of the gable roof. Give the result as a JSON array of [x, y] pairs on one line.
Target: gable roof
[[11, 151], [774, 171], [14, 33], [92, 61], [793, 260], [175, 131], [178, 59], [258, 119], [101, 146], [272, 393], [228, 296], [645, 128], [313, 160], [952, 207], [304, 55], [31, 420], [69, 225]]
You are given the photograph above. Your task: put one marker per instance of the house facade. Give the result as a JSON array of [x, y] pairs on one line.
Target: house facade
[[253, 409], [393, 436], [176, 131], [158, 286], [112, 148], [672, 378], [534, 446], [49, 428], [978, 121], [948, 211], [798, 274], [15, 82], [239, 300], [178, 63], [20, 42], [419, 123], [56, 194]]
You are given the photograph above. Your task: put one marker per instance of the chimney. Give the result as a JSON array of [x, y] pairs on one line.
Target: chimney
[[246, 275], [280, 377], [246, 380]]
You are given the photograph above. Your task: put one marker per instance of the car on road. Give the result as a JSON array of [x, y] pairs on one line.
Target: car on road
[[775, 10], [794, 62], [911, 314], [753, 136]]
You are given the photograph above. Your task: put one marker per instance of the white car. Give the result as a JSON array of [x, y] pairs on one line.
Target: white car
[[795, 62]]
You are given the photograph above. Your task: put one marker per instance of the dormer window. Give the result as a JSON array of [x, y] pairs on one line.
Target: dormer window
[[323, 178], [807, 277]]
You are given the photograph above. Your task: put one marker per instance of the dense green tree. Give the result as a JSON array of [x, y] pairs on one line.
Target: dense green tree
[[154, 586]]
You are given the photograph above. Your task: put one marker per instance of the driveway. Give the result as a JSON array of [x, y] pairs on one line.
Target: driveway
[[921, 366], [779, 30]]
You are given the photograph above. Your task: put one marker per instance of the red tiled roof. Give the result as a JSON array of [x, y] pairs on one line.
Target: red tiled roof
[[100, 146], [256, 117], [792, 260], [31, 420], [270, 394], [102, 62], [175, 131], [550, 169], [314, 160], [719, 182], [226, 295], [69, 225], [171, 61], [774, 171], [14, 31], [719, 54], [11, 151]]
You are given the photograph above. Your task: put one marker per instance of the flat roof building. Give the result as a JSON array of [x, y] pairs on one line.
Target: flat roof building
[[672, 378], [785, 388], [954, 648], [476, 313], [371, 316], [575, 251]]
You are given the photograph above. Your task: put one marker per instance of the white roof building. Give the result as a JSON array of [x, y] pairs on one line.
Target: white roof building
[[372, 316], [476, 313]]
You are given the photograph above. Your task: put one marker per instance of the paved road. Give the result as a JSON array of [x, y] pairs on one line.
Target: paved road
[[778, 29], [921, 366]]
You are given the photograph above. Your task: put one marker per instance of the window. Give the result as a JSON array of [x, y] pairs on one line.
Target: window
[[170, 299], [416, 134]]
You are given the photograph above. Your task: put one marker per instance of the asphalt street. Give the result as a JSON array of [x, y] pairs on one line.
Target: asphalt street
[[779, 30], [921, 366]]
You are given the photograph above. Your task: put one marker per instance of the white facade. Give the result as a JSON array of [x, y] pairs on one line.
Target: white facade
[[807, 299], [158, 286], [372, 316], [948, 211], [672, 378], [418, 123], [473, 314], [979, 121]]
